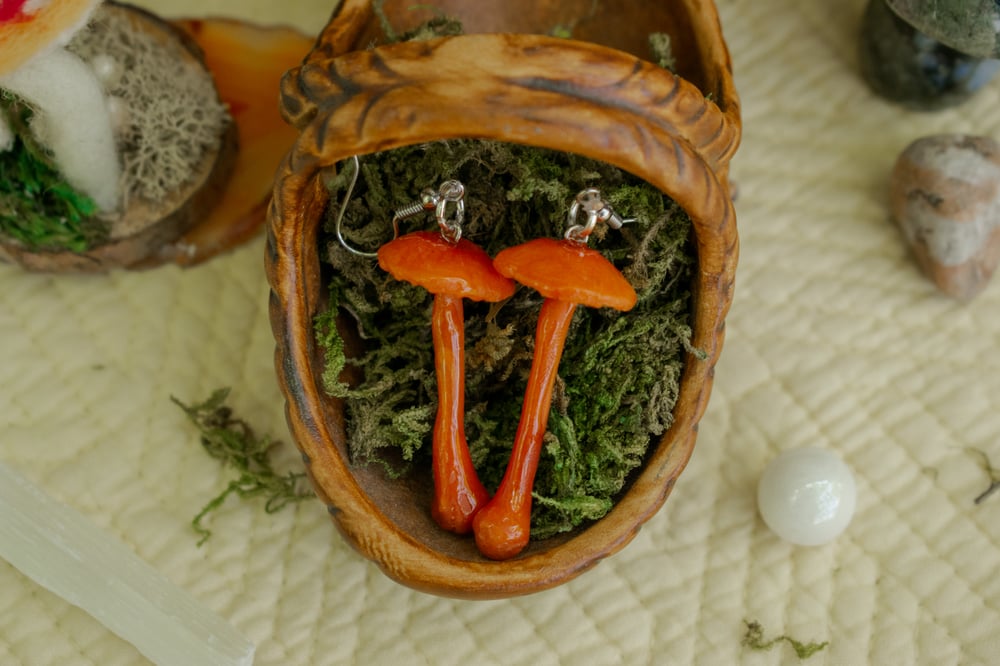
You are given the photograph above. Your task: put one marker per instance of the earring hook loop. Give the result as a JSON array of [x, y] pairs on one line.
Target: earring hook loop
[[592, 204], [451, 191], [339, 223]]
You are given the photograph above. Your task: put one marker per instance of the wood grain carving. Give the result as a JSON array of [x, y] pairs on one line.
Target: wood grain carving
[[568, 95]]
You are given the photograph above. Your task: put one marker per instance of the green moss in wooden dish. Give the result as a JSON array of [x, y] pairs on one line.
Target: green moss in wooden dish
[[619, 374], [37, 206]]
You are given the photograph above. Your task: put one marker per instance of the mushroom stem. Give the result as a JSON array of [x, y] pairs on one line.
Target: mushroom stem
[[451, 269], [503, 526], [458, 492]]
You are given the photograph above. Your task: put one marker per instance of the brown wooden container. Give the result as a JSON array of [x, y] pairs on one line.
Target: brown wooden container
[[595, 94]]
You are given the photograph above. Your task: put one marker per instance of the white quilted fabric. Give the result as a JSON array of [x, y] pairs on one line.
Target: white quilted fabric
[[835, 340]]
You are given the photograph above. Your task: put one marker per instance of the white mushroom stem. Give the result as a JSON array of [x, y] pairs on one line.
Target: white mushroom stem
[[72, 120]]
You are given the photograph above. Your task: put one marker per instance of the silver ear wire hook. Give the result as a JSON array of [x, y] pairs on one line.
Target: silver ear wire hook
[[451, 191], [590, 202], [338, 224]]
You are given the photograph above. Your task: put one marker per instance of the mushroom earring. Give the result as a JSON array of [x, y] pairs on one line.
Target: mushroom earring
[[566, 273], [451, 268]]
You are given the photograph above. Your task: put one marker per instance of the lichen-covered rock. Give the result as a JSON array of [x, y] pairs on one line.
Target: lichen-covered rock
[[908, 66], [945, 197], [968, 26]]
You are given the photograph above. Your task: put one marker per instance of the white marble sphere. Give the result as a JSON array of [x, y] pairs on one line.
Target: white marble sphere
[[807, 496]]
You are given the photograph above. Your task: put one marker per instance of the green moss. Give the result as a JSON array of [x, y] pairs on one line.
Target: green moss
[[233, 442], [619, 374], [754, 639], [660, 45], [439, 26], [38, 208]]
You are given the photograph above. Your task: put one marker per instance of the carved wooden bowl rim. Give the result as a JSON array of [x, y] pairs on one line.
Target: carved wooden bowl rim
[[624, 111]]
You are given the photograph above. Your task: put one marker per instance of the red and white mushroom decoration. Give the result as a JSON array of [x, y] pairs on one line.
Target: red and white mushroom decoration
[[72, 114]]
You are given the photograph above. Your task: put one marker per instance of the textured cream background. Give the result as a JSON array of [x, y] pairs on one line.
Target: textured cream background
[[834, 340]]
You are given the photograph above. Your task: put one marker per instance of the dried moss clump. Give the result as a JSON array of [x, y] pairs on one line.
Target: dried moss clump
[[619, 374], [232, 441]]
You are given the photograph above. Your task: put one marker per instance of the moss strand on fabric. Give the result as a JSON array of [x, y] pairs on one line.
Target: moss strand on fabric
[[620, 373], [754, 639], [232, 441]]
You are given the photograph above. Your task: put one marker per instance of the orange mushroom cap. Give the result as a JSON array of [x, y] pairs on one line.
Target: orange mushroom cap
[[429, 260], [567, 271]]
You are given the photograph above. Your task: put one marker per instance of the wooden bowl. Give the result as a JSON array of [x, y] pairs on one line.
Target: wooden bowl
[[594, 94]]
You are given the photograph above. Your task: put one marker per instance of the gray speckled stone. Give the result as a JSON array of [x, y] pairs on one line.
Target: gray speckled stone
[[945, 197]]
